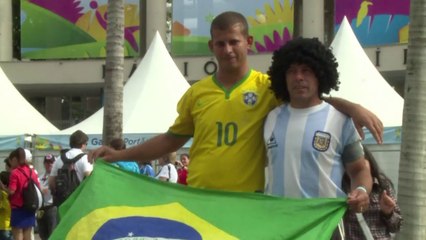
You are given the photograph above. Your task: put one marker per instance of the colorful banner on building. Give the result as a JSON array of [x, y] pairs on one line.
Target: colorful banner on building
[[11, 142], [115, 204], [70, 29], [271, 23], [391, 135], [375, 22]]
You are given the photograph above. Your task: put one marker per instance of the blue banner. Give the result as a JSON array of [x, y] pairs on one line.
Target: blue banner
[[58, 142]]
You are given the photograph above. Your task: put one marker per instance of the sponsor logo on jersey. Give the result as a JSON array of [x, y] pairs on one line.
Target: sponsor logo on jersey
[[272, 142], [321, 141]]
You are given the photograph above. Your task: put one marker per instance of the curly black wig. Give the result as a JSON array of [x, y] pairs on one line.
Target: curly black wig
[[309, 51]]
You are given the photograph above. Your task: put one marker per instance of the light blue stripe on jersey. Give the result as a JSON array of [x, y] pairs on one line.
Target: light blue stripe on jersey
[[278, 186], [309, 170]]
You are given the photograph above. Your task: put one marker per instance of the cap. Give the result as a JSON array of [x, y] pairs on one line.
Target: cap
[[49, 157], [28, 155]]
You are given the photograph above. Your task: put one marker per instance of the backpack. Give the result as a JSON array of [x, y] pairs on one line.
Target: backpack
[[66, 180], [33, 198]]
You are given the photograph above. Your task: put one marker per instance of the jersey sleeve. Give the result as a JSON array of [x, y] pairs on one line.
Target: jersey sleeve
[[352, 149], [184, 124]]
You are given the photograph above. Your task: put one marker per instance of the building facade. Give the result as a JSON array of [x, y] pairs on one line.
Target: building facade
[[67, 91]]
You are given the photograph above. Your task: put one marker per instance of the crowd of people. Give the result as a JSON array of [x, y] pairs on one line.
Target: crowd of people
[[241, 121]]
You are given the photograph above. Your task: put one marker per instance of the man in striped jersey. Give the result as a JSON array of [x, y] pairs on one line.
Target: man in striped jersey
[[309, 143]]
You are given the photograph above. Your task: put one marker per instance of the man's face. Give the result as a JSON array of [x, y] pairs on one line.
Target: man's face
[[230, 47], [184, 160], [13, 162], [302, 85], [48, 165]]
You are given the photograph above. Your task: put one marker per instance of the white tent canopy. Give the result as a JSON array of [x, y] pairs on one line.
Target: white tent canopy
[[360, 80], [150, 95], [149, 102], [19, 116], [363, 84]]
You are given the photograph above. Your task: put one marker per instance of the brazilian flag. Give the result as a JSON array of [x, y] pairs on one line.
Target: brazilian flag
[[115, 204]]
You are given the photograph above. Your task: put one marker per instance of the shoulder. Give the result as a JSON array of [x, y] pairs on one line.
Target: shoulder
[[271, 120], [15, 173], [75, 152], [259, 75], [259, 78], [274, 113], [334, 111]]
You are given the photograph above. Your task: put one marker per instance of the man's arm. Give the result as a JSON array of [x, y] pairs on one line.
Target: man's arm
[[51, 182], [144, 152], [361, 116], [361, 184]]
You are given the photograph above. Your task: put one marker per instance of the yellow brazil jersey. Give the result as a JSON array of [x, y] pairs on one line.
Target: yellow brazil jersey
[[227, 151], [4, 211]]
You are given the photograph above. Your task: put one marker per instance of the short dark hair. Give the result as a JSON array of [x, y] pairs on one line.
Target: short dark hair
[[18, 153], [49, 158], [227, 19], [118, 144], [78, 138], [6, 161], [4, 177], [309, 51]]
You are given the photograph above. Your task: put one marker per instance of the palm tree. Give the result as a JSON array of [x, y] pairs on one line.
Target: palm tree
[[114, 76], [412, 167]]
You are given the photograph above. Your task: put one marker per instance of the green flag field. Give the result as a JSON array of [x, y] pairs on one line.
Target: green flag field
[[115, 204]]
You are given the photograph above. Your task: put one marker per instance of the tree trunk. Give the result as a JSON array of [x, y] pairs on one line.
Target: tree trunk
[[114, 76], [412, 167]]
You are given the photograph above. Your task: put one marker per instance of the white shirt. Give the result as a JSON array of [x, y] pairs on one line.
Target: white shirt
[[81, 166], [44, 183], [171, 175]]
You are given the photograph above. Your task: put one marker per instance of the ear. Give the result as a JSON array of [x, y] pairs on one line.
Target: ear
[[211, 45], [250, 40]]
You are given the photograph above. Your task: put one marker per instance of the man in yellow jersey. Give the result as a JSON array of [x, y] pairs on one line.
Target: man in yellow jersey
[[224, 114]]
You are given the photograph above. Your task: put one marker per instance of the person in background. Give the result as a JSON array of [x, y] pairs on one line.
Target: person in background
[[167, 171], [383, 216], [83, 169], [5, 211], [182, 168], [7, 166], [146, 169], [29, 160], [46, 216], [224, 114], [22, 220], [119, 144]]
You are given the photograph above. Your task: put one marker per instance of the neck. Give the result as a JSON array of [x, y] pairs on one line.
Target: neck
[[305, 104], [229, 78]]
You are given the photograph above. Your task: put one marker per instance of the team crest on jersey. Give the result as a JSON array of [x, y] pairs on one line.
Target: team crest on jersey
[[250, 98], [321, 141]]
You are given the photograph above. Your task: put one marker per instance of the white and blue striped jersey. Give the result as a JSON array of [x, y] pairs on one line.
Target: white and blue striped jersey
[[307, 149]]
